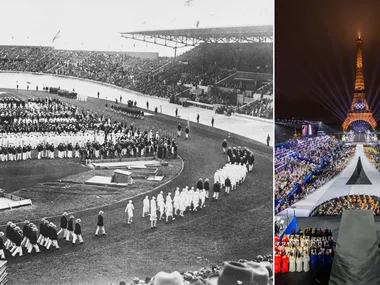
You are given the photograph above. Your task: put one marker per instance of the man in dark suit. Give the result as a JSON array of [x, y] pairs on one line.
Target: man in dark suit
[[17, 240], [200, 184], [70, 228], [216, 189], [224, 145], [8, 234], [227, 184], [206, 186], [53, 236], [100, 224], [33, 240], [78, 232], [63, 225]]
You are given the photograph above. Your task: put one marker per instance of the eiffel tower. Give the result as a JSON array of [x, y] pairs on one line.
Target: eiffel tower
[[359, 117]]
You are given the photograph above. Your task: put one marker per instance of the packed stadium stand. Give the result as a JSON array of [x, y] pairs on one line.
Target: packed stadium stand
[[228, 69], [305, 164]]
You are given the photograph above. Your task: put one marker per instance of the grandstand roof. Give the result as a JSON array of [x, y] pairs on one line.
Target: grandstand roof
[[192, 37]]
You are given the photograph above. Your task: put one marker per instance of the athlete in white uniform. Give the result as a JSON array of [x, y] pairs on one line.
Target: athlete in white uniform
[[153, 213], [129, 210], [145, 206]]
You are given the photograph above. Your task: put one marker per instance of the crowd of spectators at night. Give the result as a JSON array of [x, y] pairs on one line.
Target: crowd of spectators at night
[[298, 158], [372, 154]]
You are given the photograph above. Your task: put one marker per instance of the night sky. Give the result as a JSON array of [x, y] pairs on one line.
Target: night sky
[[315, 56]]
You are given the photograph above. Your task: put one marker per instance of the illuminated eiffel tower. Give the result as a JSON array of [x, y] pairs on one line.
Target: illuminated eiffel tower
[[359, 117]]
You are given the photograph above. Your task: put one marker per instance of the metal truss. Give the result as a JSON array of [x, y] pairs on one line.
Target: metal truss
[[193, 37]]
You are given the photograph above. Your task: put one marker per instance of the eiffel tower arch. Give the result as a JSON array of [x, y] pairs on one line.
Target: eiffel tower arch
[[359, 117]]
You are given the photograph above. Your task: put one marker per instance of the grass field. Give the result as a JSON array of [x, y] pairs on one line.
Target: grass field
[[71, 195], [237, 226]]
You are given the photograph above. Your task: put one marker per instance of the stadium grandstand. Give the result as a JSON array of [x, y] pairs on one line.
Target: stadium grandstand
[[228, 69]]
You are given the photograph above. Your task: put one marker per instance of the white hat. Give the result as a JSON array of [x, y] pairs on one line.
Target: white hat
[[164, 278]]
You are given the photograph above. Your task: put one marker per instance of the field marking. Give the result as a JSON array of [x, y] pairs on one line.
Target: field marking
[[256, 209]]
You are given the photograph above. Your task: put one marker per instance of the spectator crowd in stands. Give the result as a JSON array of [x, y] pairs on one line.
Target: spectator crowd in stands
[[204, 65], [262, 108], [372, 154], [319, 158]]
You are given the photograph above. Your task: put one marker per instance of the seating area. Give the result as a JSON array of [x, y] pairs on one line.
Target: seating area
[[203, 65], [372, 154], [262, 108], [304, 165]]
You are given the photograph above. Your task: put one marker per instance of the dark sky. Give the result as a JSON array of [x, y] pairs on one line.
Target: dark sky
[[315, 54]]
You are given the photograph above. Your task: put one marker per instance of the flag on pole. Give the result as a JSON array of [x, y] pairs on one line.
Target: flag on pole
[[56, 36]]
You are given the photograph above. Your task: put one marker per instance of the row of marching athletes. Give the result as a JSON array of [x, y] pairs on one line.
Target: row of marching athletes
[[28, 237]]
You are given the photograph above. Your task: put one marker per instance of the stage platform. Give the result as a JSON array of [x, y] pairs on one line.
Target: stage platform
[[6, 203], [337, 187], [123, 158], [128, 164], [104, 181]]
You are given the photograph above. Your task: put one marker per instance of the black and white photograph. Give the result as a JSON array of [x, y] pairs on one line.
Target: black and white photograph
[[136, 142]]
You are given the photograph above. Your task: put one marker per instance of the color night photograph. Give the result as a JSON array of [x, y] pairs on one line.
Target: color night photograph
[[326, 169]]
